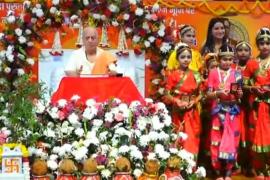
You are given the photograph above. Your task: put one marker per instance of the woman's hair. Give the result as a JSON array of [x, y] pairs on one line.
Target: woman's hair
[[263, 35], [182, 47], [209, 44], [225, 50]]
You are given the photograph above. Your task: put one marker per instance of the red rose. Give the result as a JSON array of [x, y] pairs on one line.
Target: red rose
[[168, 30], [142, 32], [158, 42], [137, 51], [67, 3], [85, 13], [107, 12], [10, 38], [27, 18]]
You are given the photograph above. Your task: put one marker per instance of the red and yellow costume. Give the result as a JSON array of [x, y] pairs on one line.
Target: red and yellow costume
[[259, 76], [186, 85]]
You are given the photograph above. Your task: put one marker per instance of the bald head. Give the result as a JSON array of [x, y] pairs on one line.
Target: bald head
[[90, 30], [90, 38]]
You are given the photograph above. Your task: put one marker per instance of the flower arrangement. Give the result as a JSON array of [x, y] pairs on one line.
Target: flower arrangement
[[107, 131]]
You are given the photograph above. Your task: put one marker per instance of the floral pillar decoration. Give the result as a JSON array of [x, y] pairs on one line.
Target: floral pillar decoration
[[56, 47], [104, 43], [122, 43]]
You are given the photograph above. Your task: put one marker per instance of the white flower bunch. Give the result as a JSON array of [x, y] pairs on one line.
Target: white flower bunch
[[65, 129], [10, 19], [126, 16], [48, 132], [53, 112], [134, 105], [26, 3], [18, 31], [53, 10], [121, 131], [90, 112], [155, 7], [38, 11], [142, 123], [139, 11], [128, 30], [90, 102], [55, 2], [106, 173], [86, 2], [201, 172], [134, 2], [136, 38], [115, 23], [52, 164], [165, 47], [135, 153], [124, 149], [92, 138], [156, 123], [144, 140], [20, 72], [65, 150], [80, 153], [73, 118], [137, 172], [113, 8], [103, 136]]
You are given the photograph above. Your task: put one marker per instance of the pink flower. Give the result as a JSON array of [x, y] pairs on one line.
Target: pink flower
[[119, 117], [61, 115], [3, 138]]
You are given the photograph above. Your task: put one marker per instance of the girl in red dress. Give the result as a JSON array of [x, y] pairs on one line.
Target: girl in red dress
[[182, 88], [224, 84], [243, 54], [258, 73]]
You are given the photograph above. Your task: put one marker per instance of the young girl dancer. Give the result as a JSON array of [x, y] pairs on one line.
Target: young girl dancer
[[224, 85]]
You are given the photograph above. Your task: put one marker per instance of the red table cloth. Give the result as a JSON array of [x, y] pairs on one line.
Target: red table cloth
[[98, 88]]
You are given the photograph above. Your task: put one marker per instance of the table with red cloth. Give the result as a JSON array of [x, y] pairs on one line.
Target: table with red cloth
[[98, 88]]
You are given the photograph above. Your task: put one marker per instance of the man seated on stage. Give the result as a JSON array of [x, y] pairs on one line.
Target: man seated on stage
[[89, 59]]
